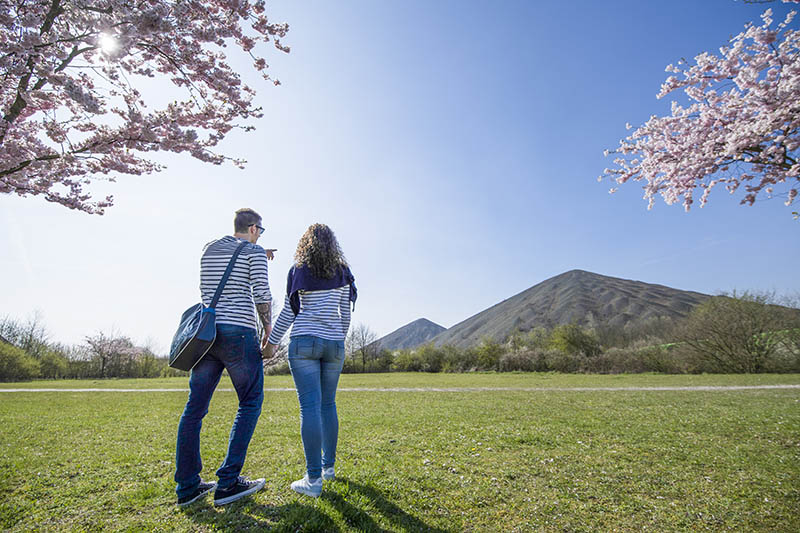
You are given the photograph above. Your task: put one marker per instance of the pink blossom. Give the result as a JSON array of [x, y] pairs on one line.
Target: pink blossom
[[71, 112], [741, 125]]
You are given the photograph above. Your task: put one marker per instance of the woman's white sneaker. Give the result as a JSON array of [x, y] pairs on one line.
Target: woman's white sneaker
[[308, 487], [328, 474]]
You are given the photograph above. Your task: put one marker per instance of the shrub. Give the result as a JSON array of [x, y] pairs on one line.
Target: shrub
[[488, 354], [53, 365], [537, 338], [616, 361], [453, 359], [572, 339], [169, 372], [425, 358], [664, 329], [16, 365], [524, 360], [457, 360], [281, 369], [664, 359], [381, 363], [741, 334], [432, 358], [644, 355], [407, 361], [559, 361]]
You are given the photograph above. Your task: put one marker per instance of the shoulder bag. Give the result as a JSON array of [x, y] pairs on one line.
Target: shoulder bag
[[198, 329]]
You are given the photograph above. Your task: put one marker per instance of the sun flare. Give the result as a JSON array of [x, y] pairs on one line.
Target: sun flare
[[107, 43]]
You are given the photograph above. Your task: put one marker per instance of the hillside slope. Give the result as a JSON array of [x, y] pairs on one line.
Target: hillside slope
[[410, 335], [577, 296]]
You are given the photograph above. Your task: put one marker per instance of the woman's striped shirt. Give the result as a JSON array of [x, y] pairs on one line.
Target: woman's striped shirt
[[324, 313], [247, 285]]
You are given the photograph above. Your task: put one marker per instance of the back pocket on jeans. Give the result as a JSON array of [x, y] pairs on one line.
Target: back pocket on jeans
[[340, 351], [302, 348], [237, 349]]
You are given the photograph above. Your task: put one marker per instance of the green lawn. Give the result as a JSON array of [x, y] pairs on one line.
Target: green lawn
[[418, 461], [421, 379]]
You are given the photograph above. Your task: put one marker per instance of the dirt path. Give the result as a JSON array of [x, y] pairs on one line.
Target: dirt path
[[711, 388]]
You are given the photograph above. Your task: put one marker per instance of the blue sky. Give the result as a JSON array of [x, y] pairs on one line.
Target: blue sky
[[454, 147]]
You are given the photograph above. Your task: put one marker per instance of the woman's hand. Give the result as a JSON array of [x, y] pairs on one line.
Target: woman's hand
[[269, 352], [265, 339]]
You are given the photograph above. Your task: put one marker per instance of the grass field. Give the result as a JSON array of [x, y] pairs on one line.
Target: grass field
[[420, 461]]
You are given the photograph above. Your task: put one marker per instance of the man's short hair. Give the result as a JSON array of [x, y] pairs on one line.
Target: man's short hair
[[245, 218]]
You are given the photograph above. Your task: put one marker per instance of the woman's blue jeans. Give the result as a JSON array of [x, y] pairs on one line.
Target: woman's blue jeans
[[236, 349], [316, 364]]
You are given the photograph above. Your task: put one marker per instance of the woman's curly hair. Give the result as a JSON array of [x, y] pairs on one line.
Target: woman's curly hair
[[319, 250]]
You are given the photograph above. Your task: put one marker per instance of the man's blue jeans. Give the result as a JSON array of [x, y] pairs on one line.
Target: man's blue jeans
[[316, 364], [236, 350]]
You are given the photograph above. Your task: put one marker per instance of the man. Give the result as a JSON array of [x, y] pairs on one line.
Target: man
[[236, 350]]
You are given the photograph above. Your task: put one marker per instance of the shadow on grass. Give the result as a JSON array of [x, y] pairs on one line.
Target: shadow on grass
[[249, 515], [361, 520]]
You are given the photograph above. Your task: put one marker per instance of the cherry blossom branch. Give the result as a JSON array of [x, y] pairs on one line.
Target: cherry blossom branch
[[742, 113], [55, 136]]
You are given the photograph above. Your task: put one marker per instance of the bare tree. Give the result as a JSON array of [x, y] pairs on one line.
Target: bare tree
[[740, 333], [31, 335], [360, 344]]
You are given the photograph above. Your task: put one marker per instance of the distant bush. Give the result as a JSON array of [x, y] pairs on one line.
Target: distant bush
[[667, 359], [16, 365], [382, 362], [408, 361], [524, 360], [430, 358], [166, 371], [661, 330], [559, 361], [488, 354], [787, 356], [281, 369], [744, 333], [641, 356], [572, 339], [54, 365], [457, 360], [617, 361]]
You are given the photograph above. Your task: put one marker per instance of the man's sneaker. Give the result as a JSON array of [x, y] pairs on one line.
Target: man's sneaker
[[328, 474], [242, 488], [202, 489], [308, 487]]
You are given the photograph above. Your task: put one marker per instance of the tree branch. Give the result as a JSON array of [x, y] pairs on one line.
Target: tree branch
[[106, 11], [82, 150], [19, 102], [28, 162]]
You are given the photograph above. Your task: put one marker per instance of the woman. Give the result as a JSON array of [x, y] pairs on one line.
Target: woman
[[319, 291]]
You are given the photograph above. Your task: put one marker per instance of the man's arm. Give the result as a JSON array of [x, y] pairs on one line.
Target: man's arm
[[259, 282], [265, 315]]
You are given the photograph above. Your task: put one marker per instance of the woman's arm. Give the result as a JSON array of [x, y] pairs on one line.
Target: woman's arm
[[285, 319], [344, 309]]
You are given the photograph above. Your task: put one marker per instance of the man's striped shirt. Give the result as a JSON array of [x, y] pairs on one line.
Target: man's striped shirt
[[247, 285], [324, 313]]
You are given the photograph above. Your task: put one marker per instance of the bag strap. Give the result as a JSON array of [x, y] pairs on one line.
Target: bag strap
[[225, 277]]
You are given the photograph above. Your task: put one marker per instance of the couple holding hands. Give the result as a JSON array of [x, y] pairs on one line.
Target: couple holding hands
[[319, 292]]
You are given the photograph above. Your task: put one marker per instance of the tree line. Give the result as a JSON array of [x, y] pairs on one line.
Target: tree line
[[27, 353], [737, 333]]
